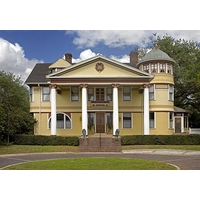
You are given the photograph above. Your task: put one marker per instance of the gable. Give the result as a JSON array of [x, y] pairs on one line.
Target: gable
[[100, 67], [60, 63]]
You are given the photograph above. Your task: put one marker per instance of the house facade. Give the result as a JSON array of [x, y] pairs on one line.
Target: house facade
[[101, 95]]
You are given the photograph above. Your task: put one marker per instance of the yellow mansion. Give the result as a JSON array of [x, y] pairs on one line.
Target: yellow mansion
[[102, 95]]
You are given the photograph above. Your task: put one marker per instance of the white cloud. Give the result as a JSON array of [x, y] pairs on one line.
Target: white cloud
[[12, 59], [86, 54], [121, 38]]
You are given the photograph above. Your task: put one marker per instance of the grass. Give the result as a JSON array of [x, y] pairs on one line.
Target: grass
[[93, 164], [17, 149]]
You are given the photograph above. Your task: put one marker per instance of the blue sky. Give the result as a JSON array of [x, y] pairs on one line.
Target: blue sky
[[20, 50]]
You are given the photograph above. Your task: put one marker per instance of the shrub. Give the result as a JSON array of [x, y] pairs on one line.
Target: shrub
[[46, 140], [160, 140]]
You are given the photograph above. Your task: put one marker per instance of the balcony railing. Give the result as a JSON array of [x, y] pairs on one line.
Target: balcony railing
[[100, 103]]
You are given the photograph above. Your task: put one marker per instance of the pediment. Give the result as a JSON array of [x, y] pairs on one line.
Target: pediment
[[97, 67]]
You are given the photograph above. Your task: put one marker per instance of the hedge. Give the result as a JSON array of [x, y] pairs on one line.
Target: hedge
[[160, 140], [45, 140]]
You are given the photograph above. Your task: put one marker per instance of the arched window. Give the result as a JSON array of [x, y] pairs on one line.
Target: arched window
[[63, 121]]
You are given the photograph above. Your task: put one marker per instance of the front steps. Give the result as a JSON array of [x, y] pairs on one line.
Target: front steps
[[100, 144]]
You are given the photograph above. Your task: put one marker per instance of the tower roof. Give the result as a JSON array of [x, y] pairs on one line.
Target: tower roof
[[154, 55]]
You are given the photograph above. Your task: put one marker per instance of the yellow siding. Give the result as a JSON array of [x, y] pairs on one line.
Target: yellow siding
[[89, 70]]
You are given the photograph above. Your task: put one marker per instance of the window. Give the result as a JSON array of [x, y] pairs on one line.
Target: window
[[171, 120], [109, 94], [90, 94], [146, 68], [75, 93], [185, 121], [127, 121], [169, 69], [62, 122], [46, 93], [90, 120], [151, 120], [31, 94], [162, 68], [154, 68], [171, 92], [109, 120], [151, 92], [126, 93]]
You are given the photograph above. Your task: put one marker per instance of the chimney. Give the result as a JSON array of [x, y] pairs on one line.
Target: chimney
[[133, 57], [68, 57]]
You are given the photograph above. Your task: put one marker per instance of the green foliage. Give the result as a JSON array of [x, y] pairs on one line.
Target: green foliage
[[186, 73], [14, 107], [45, 140], [160, 140]]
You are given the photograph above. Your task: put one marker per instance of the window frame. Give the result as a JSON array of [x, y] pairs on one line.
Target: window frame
[[153, 92], [65, 116], [171, 120], [170, 92], [46, 94], [154, 120], [131, 120], [78, 92], [109, 94], [126, 93]]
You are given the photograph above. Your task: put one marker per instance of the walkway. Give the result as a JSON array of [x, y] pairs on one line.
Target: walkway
[[185, 160]]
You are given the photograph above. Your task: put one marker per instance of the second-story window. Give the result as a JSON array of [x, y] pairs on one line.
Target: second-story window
[[109, 94], [75, 93], [46, 93], [151, 93], [126, 93], [171, 92], [31, 94], [162, 68], [154, 68], [90, 94]]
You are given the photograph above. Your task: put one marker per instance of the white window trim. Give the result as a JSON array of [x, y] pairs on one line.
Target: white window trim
[[169, 120], [41, 93], [78, 93], [154, 120], [169, 85], [32, 90], [123, 121], [70, 118], [154, 93], [123, 93]]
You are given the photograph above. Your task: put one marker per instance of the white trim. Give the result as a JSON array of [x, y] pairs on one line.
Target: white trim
[[146, 111], [115, 110], [123, 120], [53, 111]]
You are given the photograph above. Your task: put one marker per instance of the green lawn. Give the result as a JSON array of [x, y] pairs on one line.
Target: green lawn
[[93, 164], [13, 149]]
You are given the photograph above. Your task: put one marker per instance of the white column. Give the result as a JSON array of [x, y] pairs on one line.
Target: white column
[[84, 109], [53, 110], [146, 109], [115, 108]]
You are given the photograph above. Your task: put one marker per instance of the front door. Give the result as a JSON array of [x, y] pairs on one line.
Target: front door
[[177, 125], [100, 94], [100, 122]]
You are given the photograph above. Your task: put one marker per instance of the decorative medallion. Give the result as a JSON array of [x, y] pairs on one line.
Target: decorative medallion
[[99, 67]]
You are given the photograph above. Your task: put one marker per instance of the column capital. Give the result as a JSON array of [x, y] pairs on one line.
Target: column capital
[[83, 85], [53, 86], [146, 85], [114, 85]]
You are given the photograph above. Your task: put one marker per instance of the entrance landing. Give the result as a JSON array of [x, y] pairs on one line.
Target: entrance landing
[[100, 143]]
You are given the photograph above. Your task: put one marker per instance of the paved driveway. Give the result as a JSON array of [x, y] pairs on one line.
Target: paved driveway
[[185, 160]]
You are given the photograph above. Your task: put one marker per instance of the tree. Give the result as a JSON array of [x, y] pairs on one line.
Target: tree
[[186, 73], [14, 106]]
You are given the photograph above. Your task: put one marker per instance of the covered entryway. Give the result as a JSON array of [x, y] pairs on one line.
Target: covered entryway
[[100, 122]]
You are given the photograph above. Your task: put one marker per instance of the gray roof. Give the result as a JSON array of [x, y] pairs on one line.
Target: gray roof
[[180, 110], [154, 55], [38, 74]]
